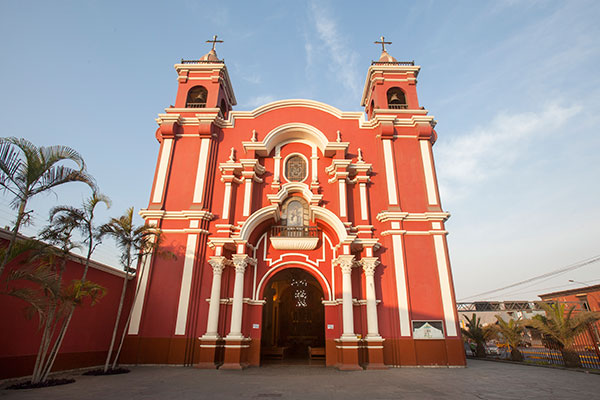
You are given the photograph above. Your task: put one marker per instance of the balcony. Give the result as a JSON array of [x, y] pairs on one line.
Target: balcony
[[195, 105], [294, 237], [398, 106]]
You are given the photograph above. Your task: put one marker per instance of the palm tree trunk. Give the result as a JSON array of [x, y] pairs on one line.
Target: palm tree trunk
[[13, 237], [114, 334], [571, 358], [46, 338], [480, 352], [38, 359], [515, 354], [56, 347]]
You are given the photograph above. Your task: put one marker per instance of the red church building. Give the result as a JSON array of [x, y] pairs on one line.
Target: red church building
[[303, 231]]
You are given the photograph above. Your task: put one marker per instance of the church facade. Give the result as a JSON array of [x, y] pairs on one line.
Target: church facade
[[303, 232]]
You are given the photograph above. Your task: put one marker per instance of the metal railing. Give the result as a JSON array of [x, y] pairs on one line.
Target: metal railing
[[295, 231], [509, 305], [195, 105], [202, 61], [398, 106], [407, 63]]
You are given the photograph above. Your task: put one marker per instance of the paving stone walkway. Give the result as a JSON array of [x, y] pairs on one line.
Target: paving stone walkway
[[481, 380]]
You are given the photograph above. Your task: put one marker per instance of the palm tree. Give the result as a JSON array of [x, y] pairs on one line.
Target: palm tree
[[511, 333], [70, 219], [477, 333], [562, 326], [134, 242], [53, 302], [27, 170], [84, 219]]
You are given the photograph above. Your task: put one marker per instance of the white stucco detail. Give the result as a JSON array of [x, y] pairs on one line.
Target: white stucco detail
[[161, 175], [401, 290], [201, 171], [389, 171], [428, 169], [364, 215], [136, 312], [447, 304], [186, 284], [226, 200], [247, 197], [342, 193]]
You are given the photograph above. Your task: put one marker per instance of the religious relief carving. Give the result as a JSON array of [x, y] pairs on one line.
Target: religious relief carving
[[218, 263], [295, 213], [369, 264], [346, 263], [295, 169]]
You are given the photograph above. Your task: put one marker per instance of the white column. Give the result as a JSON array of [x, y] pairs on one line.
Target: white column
[[277, 162], [343, 197], [240, 262], [226, 200], [314, 159], [247, 197], [217, 263], [364, 215], [346, 263], [369, 264]]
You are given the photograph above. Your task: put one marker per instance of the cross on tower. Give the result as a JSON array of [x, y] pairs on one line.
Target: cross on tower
[[382, 43], [214, 41]]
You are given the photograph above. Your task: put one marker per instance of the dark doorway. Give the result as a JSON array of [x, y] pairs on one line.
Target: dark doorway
[[293, 319]]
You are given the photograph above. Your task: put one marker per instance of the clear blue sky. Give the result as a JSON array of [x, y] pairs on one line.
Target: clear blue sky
[[513, 84]]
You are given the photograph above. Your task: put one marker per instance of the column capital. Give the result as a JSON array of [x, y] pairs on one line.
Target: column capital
[[346, 263], [218, 263], [241, 261], [369, 264]]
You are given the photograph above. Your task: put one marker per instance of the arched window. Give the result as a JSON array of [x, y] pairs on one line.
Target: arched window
[[196, 97], [396, 99]]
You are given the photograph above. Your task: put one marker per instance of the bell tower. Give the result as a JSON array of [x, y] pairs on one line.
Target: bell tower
[[205, 83], [390, 85]]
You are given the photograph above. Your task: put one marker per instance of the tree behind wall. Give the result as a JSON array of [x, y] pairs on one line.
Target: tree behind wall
[[27, 170], [562, 326]]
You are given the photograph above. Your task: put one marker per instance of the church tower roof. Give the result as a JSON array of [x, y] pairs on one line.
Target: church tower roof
[[386, 58], [210, 56]]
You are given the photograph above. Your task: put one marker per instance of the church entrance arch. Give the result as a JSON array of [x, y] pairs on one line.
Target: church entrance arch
[[293, 327]]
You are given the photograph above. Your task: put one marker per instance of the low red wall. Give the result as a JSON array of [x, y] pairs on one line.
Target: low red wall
[[88, 337]]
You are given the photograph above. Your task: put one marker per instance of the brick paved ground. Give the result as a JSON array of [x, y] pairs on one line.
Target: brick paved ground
[[482, 380]]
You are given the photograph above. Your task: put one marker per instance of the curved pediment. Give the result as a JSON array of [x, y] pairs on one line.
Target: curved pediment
[[289, 103], [295, 131]]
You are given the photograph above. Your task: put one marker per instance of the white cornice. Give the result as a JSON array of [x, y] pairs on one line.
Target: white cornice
[[385, 216], [183, 214]]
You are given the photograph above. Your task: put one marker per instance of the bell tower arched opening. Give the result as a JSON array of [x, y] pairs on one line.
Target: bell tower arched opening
[[293, 323]]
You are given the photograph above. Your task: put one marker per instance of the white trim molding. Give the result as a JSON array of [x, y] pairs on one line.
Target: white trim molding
[[163, 166], [445, 287], [186, 284]]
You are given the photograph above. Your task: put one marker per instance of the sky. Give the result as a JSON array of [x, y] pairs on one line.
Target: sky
[[513, 85]]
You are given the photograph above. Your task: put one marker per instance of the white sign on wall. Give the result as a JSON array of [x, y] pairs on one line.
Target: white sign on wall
[[428, 330]]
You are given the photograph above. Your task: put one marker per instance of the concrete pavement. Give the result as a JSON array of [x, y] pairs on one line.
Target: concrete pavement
[[481, 380]]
